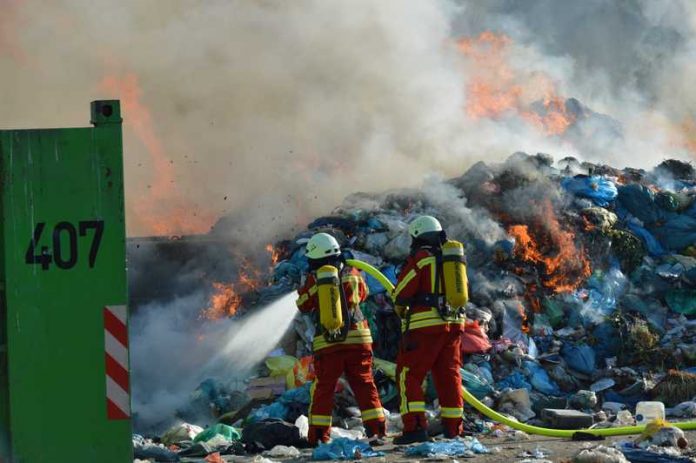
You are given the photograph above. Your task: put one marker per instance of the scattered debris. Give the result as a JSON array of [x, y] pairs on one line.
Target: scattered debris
[[581, 309]]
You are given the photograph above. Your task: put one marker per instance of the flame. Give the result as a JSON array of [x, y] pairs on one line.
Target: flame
[[164, 210], [525, 320], [565, 266], [275, 254], [496, 88], [227, 297], [250, 283], [224, 302]]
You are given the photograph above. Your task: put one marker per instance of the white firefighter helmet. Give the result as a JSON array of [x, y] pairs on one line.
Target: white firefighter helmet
[[424, 224], [322, 245]]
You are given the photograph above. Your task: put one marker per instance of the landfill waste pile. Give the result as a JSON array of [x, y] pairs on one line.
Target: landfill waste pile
[[582, 313]]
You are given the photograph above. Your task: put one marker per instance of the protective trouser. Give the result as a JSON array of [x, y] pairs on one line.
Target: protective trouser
[[357, 366], [439, 353]]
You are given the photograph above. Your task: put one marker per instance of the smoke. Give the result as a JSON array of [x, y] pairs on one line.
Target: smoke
[[173, 351], [271, 112], [632, 60], [462, 221], [274, 111]]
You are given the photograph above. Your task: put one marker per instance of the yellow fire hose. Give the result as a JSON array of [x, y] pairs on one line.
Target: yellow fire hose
[[492, 414]]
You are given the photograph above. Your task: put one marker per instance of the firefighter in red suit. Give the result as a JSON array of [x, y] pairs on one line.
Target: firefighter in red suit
[[351, 356], [431, 337]]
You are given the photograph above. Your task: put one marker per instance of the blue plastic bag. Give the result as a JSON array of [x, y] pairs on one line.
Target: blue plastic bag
[[274, 410], [653, 246], [297, 395], [600, 190], [639, 200], [540, 379], [608, 341], [453, 448], [374, 286], [515, 381], [344, 449], [599, 301], [638, 455], [679, 232], [580, 357], [478, 386]]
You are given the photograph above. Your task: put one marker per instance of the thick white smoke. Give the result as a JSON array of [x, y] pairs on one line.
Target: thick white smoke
[[273, 111], [277, 110]]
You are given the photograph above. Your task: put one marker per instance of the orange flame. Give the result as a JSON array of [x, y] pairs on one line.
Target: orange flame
[[496, 88], [164, 211], [223, 303], [565, 265], [525, 320], [275, 254]]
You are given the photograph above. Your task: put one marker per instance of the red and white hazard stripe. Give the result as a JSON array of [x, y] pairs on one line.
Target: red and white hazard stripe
[[116, 354]]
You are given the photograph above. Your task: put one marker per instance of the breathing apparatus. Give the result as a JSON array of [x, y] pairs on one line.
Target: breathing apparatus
[[325, 257], [500, 418], [451, 283]]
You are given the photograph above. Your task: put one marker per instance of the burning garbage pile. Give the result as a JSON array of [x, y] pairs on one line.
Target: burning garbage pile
[[582, 308]]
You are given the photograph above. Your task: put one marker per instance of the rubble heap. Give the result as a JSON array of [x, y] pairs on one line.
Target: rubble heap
[[582, 294]]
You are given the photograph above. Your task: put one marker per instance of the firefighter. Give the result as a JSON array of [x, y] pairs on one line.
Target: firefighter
[[342, 344], [432, 324]]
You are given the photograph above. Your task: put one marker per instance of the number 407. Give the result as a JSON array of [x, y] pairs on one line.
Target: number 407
[[44, 256]]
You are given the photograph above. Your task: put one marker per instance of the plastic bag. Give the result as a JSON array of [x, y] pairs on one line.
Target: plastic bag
[[682, 301], [651, 243], [452, 448], [298, 395], [580, 358], [600, 190], [282, 365], [303, 371], [540, 379], [475, 384], [296, 372], [474, 340], [274, 410], [638, 455], [228, 432], [344, 449], [514, 381], [181, 432], [639, 200]]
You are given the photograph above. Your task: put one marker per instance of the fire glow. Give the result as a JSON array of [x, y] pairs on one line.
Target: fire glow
[[224, 302], [565, 265], [497, 89], [226, 299], [164, 210]]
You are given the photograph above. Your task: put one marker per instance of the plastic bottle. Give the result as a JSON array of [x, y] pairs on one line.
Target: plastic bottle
[[649, 411]]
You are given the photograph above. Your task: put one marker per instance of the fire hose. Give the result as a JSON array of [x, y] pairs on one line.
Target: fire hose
[[500, 418]]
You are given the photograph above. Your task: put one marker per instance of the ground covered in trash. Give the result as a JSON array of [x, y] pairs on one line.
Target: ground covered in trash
[[582, 313], [535, 449]]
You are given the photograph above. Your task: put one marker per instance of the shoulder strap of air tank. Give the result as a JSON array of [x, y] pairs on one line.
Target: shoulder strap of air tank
[[439, 281], [347, 319]]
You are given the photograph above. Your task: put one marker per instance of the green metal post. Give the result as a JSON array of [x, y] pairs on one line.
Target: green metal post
[[64, 392]]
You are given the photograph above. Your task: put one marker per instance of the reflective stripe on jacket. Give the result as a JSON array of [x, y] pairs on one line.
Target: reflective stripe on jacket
[[418, 277], [356, 291]]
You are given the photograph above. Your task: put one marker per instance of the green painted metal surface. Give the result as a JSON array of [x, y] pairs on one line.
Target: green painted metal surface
[[61, 189]]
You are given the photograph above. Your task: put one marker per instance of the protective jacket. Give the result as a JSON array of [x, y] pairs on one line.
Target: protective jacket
[[355, 290], [351, 357], [416, 289], [431, 342]]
